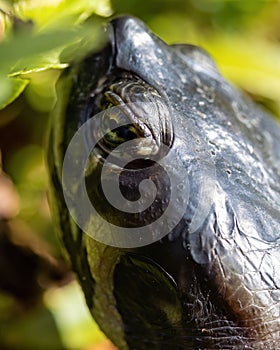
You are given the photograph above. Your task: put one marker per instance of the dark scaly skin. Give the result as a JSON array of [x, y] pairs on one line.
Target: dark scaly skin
[[220, 287]]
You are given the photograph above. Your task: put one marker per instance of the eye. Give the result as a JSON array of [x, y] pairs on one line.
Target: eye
[[117, 128], [128, 110]]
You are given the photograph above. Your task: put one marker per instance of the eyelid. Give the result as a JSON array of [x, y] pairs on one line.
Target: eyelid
[[113, 98]]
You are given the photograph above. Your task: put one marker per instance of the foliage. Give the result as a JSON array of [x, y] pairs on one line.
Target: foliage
[[36, 35], [38, 39]]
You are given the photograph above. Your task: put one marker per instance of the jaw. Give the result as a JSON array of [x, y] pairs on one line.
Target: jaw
[[181, 303], [252, 300]]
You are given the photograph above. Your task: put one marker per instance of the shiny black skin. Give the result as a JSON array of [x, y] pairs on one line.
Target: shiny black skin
[[218, 288]]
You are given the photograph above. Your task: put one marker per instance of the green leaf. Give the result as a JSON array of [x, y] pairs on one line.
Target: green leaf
[[10, 89], [61, 13], [49, 28], [27, 52]]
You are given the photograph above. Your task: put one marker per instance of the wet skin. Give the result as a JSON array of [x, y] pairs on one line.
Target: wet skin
[[217, 287]]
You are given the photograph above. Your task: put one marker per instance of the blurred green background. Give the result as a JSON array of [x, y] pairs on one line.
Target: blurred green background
[[41, 306]]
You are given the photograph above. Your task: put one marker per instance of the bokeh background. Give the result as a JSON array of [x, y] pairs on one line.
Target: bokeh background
[[41, 305]]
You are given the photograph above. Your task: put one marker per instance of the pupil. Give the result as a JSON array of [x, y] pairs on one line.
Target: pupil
[[124, 133]]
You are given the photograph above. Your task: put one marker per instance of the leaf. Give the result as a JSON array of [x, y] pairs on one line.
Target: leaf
[[50, 28], [60, 13], [26, 50], [10, 89]]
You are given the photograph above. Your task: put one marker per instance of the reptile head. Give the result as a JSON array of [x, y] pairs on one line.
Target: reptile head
[[206, 275]]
